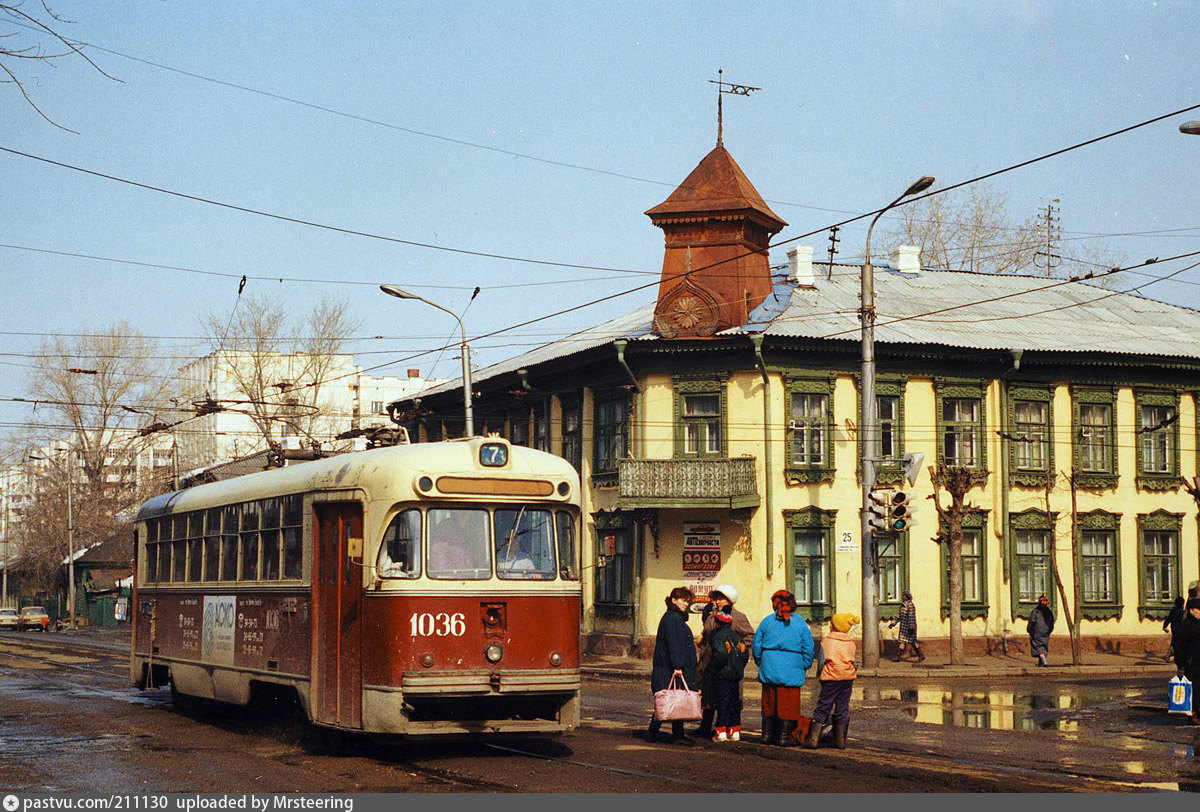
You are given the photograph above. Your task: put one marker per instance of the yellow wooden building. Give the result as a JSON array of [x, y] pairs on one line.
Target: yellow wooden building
[[716, 434]]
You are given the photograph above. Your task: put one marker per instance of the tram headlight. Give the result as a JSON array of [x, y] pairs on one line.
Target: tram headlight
[[555, 659], [493, 652], [563, 488]]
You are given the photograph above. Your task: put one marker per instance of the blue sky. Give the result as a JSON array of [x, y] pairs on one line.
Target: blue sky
[[857, 100]]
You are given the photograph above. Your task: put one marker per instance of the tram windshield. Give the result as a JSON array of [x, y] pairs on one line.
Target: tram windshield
[[458, 543], [400, 553], [525, 544]]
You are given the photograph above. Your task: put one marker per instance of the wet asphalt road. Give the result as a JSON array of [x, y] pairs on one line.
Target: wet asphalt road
[[70, 722]]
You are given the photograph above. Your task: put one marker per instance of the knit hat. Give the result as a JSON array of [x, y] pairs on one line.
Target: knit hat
[[1043, 599], [843, 621], [784, 603], [722, 616], [728, 590], [1193, 603]]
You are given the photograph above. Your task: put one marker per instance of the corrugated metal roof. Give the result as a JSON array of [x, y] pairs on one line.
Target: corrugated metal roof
[[937, 307]]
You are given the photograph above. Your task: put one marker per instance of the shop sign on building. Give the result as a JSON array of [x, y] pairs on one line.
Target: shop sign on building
[[701, 554]]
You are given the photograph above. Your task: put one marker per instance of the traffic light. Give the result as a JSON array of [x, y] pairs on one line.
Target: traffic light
[[899, 512], [879, 508]]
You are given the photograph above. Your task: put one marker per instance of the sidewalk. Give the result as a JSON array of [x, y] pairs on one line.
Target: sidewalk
[[937, 666]]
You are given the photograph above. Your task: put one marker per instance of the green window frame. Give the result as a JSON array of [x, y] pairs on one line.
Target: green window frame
[[1094, 436], [1156, 426], [810, 428], [975, 596], [1159, 542], [614, 573], [810, 562], [961, 418], [889, 410], [700, 417], [1032, 542], [610, 434], [892, 560], [1030, 440], [1099, 555]]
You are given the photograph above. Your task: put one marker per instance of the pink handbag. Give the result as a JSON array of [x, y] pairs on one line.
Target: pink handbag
[[673, 704]]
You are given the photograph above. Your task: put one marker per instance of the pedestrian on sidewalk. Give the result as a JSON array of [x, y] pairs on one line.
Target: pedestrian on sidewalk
[[907, 636], [1187, 651], [783, 649], [1171, 624], [722, 598], [837, 678], [674, 656], [1041, 623], [727, 658]]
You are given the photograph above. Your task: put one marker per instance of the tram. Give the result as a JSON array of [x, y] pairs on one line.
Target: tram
[[417, 590]]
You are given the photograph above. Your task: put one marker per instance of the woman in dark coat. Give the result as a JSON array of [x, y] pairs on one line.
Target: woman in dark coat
[[674, 655], [1041, 623], [1187, 652]]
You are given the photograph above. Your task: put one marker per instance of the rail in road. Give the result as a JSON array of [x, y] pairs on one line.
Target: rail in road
[[602, 756]]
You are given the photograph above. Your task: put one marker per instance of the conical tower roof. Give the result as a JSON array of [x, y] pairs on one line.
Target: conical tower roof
[[717, 185]]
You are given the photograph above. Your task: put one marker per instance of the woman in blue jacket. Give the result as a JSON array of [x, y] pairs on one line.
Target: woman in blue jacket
[[783, 650], [674, 655]]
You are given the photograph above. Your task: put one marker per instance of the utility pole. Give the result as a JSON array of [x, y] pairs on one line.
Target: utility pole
[[1051, 221], [70, 539], [833, 241], [869, 429]]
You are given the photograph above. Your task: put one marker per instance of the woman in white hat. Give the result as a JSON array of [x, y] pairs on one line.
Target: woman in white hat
[[721, 597]]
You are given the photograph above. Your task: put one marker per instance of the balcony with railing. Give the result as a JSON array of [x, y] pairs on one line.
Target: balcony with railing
[[713, 483]]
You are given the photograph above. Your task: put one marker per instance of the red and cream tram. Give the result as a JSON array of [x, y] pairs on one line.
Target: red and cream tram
[[417, 590]]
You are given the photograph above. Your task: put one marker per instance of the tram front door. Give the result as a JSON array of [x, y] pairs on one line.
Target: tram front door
[[337, 588]]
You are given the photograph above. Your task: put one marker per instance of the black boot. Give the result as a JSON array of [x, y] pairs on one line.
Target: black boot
[[787, 736], [769, 729], [705, 731], [839, 734], [652, 731], [813, 740], [677, 734]]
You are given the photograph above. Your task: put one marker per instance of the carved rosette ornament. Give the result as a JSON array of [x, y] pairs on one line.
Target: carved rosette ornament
[[688, 310]]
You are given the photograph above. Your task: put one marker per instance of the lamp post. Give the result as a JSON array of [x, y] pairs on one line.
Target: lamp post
[[468, 415], [1190, 128], [869, 428]]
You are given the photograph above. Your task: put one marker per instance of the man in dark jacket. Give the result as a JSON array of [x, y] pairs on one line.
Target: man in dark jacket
[[1187, 651], [1171, 624], [674, 656]]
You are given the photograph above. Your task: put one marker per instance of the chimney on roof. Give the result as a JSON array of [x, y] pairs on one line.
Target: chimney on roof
[[906, 259], [800, 267], [414, 373]]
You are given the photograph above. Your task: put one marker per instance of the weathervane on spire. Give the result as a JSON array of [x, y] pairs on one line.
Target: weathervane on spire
[[741, 90]]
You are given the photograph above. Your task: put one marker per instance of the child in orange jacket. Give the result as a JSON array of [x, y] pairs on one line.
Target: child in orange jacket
[[837, 678]]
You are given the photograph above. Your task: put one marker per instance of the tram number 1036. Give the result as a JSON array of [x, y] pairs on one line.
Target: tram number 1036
[[442, 624]]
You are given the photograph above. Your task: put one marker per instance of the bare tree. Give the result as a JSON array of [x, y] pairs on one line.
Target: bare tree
[[1070, 611], [279, 367], [957, 481], [30, 35], [104, 388]]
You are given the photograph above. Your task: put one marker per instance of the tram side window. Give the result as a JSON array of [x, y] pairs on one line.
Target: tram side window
[[249, 570], [269, 538], [400, 552], [179, 548], [568, 568], [212, 552], [195, 545], [151, 553], [293, 520], [229, 542], [458, 544], [525, 544], [164, 550]]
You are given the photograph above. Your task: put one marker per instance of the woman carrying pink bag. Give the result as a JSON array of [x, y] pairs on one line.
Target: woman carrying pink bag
[[674, 658]]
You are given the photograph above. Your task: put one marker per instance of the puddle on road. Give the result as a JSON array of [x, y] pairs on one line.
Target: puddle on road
[[26, 743], [1052, 709]]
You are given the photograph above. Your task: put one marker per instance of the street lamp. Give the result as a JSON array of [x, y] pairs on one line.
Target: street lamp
[[468, 415], [70, 536], [1190, 128], [869, 428]]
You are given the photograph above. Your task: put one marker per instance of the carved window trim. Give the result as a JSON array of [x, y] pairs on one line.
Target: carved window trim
[[1158, 521], [1105, 521], [886, 473], [701, 385], [809, 385], [822, 521], [616, 433], [952, 388], [975, 521], [1030, 477], [1099, 396], [1032, 519], [1156, 480], [890, 609]]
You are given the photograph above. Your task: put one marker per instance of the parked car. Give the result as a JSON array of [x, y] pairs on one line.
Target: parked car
[[9, 619], [34, 617]]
